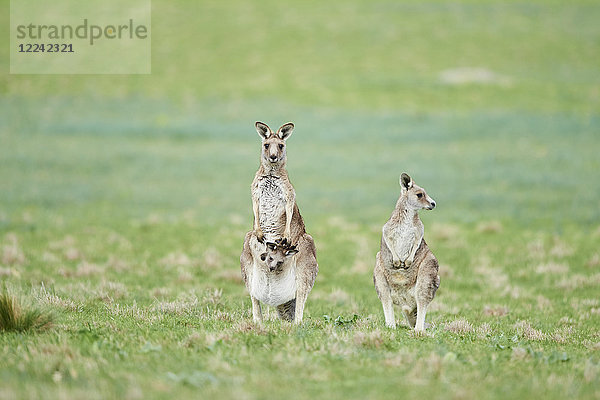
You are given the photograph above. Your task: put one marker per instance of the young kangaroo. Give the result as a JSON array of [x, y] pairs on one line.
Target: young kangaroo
[[272, 280], [406, 271], [277, 217]]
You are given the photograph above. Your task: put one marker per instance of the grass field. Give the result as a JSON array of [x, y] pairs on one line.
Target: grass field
[[124, 201]]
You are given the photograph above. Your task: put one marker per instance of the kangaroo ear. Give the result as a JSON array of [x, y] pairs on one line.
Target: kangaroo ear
[[291, 252], [285, 131], [272, 246], [406, 181], [263, 256], [263, 130]]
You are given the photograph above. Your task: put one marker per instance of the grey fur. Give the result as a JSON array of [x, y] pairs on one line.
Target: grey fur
[[406, 271]]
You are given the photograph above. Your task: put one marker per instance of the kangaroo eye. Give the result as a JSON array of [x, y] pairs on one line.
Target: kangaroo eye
[[419, 195], [266, 145], [280, 147]]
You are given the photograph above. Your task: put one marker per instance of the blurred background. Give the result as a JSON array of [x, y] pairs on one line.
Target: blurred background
[[491, 106]]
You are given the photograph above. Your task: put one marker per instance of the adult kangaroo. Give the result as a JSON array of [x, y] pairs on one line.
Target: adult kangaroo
[[406, 271], [277, 219]]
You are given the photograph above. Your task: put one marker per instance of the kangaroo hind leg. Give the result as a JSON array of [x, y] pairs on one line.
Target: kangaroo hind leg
[[286, 311]]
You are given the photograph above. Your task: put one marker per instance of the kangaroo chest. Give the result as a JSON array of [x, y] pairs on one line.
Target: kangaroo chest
[[273, 288], [271, 206], [403, 236]]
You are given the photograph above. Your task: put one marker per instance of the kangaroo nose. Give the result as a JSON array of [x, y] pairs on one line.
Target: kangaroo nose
[[433, 204], [273, 158]]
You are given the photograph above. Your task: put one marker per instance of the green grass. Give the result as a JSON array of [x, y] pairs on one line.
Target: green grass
[[124, 201]]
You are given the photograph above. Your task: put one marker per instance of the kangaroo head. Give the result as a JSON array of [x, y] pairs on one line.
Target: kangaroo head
[[277, 252], [416, 196], [273, 144]]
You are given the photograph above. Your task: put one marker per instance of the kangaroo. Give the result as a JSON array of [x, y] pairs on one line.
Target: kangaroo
[[277, 217], [272, 280], [406, 271]]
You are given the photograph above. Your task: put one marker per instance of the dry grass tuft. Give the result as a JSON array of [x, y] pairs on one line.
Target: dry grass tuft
[[160, 292], [578, 281], [566, 321], [426, 368], [213, 296], [584, 304], [373, 339], [177, 307], [515, 292], [489, 227], [88, 269], [237, 219], [561, 249], [444, 231], [224, 316], [11, 252], [401, 358], [595, 346], [16, 317], [594, 261], [338, 297], [420, 334], [562, 334], [438, 305], [543, 303], [46, 297], [133, 311], [50, 258], [193, 340], [185, 276], [197, 339], [111, 290], [446, 271], [590, 371], [552, 268], [8, 272], [212, 258], [363, 260], [337, 221], [66, 242], [519, 353], [177, 259], [120, 240], [117, 264], [246, 326], [460, 326], [72, 254], [525, 330], [448, 233], [495, 311], [484, 330], [490, 275], [536, 249], [230, 275]]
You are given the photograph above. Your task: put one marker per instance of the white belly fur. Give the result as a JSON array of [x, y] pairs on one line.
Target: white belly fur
[[273, 289]]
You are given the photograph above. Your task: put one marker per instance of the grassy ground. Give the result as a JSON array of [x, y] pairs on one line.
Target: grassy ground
[[124, 201]]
